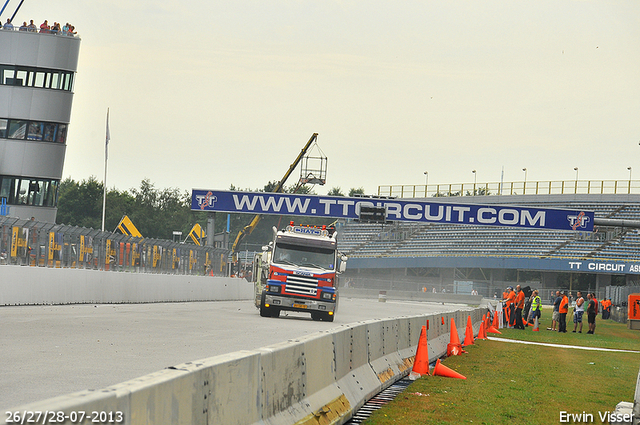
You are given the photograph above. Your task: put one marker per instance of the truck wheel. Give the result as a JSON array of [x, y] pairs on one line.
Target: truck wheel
[[264, 311], [275, 312]]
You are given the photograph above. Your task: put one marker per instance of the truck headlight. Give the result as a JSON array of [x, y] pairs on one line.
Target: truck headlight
[[273, 288], [327, 295]]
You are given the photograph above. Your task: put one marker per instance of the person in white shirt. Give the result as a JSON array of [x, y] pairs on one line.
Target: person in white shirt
[[578, 312]]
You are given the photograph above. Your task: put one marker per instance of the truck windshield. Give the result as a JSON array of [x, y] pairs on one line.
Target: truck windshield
[[306, 256]]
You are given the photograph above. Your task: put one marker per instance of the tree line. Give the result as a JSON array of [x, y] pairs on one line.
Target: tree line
[[157, 213]]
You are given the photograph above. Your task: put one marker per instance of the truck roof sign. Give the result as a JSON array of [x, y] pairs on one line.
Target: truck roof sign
[[307, 230]]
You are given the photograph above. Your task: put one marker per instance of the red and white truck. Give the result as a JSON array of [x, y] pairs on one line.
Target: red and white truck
[[298, 271]]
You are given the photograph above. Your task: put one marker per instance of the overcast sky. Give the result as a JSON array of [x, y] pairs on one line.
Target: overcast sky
[[205, 94]]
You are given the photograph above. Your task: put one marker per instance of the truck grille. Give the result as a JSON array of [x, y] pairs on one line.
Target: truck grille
[[302, 285]]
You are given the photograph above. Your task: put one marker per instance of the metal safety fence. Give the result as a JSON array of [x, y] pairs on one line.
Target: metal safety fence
[[566, 187], [619, 295], [39, 244]]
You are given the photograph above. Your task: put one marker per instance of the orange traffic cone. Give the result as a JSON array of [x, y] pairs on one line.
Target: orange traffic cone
[[493, 330], [442, 370], [482, 334], [421, 362], [536, 325], [454, 347], [468, 334]]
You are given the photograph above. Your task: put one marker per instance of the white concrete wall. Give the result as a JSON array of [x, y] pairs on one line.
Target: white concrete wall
[[428, 296], [21, 285]]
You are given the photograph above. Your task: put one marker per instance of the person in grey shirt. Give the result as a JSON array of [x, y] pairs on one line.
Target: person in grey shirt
[[555, 317]]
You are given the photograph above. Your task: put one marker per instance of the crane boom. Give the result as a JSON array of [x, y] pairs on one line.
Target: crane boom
[[246, 231]]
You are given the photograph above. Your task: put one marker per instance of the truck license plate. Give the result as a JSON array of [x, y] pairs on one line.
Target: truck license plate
[[300, 306]]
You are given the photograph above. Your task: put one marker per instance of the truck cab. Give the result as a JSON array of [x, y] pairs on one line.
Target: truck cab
[[299, 270]]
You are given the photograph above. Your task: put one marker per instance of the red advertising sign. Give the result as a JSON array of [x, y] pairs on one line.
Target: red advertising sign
[[634, 307]]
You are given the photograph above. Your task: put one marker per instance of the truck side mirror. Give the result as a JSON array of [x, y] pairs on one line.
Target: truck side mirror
[[343, 263]]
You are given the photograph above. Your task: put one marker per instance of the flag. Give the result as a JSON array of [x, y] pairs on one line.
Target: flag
[[106, 144], [126, 227], [197, 234]]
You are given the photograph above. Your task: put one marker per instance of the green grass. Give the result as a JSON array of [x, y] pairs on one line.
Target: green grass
[[519, 383]]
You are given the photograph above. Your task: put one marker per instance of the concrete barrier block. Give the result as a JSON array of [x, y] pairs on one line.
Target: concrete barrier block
[[405, 350], [391, 343], [415, 327], [232, 393], [375, 339], [327, 406], [461, 318], [440, 324], [387, 366], [358, 381], [342, 339], [84, 401], [359, 345], [409, 334], [359, 386], [438, 346], [319, 356], [221, 389], [390, 335], [167, 396], [322, 400], [283, 380]]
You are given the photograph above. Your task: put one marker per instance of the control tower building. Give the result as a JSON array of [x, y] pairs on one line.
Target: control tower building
[[37, 72]]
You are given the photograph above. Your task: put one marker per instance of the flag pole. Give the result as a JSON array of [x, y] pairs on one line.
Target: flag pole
[[104, 183], [4, 7]]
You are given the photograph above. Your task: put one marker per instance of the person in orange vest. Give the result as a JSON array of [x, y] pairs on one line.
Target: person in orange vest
[[510, 306], [608, 308], [519, 304], [563, 310], [504, 307]]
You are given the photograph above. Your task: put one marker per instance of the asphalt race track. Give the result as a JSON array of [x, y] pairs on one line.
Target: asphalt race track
[[48, 351]]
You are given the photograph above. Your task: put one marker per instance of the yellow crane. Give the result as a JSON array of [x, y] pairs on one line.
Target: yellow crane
[[246, 231]]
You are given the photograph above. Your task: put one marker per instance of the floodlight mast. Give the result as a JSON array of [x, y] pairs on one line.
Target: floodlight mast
[[247, 230]]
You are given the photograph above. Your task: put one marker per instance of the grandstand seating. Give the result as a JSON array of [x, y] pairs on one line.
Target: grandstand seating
[[426, 240]]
